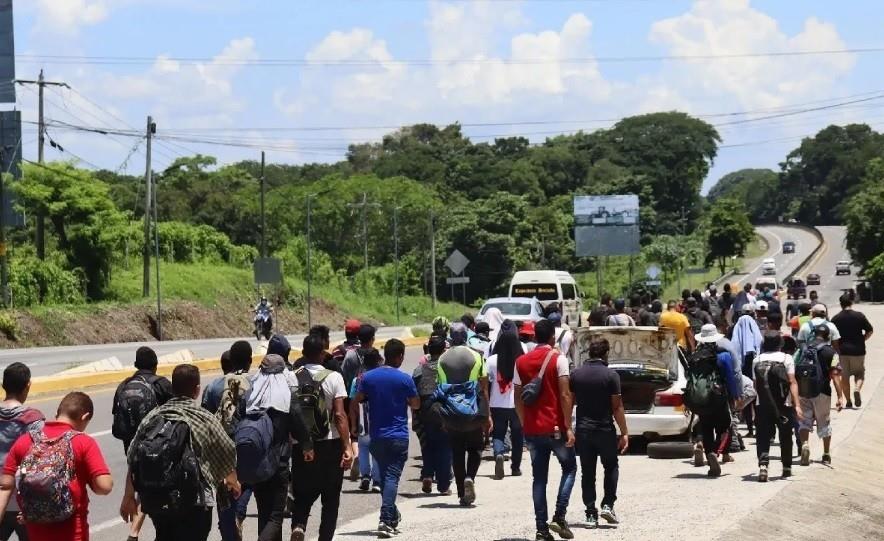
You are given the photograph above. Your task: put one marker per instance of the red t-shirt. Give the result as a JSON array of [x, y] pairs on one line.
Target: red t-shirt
[[88, 464], [542, 417]]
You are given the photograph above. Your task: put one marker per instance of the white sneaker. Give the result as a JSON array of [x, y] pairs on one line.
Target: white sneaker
[[469, 491], [805, 455]]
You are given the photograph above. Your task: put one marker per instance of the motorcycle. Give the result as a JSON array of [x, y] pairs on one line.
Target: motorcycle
[[263, 324]]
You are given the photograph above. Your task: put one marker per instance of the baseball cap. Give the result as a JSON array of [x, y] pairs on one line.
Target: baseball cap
[[555, 317], [761, 305], [527, 329], [819, 308], [352, 326]]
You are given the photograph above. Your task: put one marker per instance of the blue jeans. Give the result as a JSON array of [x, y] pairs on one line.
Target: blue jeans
[[227, 517], [506, 418], [391, 455], [541, 447], [436, 452], [368, 466]]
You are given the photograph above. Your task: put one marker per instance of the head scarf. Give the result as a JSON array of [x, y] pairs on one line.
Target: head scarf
[[270, 388], [494, 318]]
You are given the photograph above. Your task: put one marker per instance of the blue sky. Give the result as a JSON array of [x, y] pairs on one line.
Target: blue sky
[[502, 62]]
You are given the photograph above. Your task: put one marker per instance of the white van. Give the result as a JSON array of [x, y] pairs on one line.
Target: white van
[[549, 286]]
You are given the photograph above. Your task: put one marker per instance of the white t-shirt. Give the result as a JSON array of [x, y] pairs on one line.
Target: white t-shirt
[[564, 338], [777, 357], [562, 367], [332, 387], [496, 398], [804, 334]]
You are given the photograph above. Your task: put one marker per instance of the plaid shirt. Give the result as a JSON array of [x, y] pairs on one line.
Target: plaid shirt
[[211, 444]]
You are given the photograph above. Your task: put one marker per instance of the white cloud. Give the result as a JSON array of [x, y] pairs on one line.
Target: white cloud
[[67, 16]]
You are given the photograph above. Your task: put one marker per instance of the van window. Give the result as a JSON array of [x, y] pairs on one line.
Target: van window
[[543, 292], [569, 292]]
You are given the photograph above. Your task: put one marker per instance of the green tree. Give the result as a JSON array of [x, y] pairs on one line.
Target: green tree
[[757, 189], [728, 232], [864, 216]]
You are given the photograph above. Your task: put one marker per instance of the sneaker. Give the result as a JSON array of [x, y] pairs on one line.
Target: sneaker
[[699, 462], [848, 405], [516, 472], [609, 515], [827, 458], [560, 526], [463, 502], [714, 466], [543, 536], [805, 455], [762, 474], [376, 488], [365, 484], [787, 472], [469, 491], [498, 467], [298, 533], [386, 531], [727, 457], [427, 485], [446, 492], [857, 399], [592, 519]]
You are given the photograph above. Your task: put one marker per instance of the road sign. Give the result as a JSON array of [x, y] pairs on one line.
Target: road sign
[[653, 272], [652, 282], [695, 271], [458, 280], [268, 270], [457, 262]]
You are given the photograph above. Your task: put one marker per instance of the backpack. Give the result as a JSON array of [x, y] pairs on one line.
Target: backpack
[[311, 398], [772, 384], [229, 412], [12, 428], [695, 321], [458, 401], [133, 401], [714, 309], [44, 478], [705, 391], [165, 470], [256, 460], [808, 372]]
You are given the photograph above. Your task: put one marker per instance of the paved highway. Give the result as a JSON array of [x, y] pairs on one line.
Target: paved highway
[[831, 286], [786, 264]]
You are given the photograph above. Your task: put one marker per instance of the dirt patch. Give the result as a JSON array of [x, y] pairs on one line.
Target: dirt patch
[[182, 320]]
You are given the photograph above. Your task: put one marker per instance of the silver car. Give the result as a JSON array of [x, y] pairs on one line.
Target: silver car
[[516, 309]]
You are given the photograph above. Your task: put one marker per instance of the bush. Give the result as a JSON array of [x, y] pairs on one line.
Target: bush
[[27, 274], [8, 325], [294, 262]]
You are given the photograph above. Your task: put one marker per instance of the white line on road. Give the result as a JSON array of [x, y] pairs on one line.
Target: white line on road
[[106, 525], [100, 434]]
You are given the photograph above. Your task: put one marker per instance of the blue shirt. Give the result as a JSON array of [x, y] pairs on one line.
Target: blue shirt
[[387, 390], [212, 394], [726, 367]]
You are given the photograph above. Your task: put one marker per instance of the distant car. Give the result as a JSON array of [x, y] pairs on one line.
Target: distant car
[[796, 289], [842, 267], [769, 284], [788, 247], [813, 279], [516, 309], [769, 266]]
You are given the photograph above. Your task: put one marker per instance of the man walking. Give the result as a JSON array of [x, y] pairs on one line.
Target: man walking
[[546, 421], [462, 378], [435, 448], [16, 419], [677, 321], [620, 318], [179, 499], [596, 390], [815, 391], [389, 392], [855, 330], [321, 394]]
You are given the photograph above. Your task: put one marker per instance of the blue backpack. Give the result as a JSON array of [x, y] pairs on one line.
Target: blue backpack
[[458, 400], [256, 460]]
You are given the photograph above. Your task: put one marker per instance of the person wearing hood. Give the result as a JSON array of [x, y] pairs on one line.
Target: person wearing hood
[[16, 419], [270, 395], [494, 318], [279, 345], [746, 339], [427, 423]]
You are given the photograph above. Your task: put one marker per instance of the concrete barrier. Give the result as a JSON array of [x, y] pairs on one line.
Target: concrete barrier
[[66, 381]]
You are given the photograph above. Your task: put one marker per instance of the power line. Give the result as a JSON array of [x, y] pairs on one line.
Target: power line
[[297, 62]]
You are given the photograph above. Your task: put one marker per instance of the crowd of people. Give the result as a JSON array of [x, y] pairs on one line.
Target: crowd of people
[[286, 434]]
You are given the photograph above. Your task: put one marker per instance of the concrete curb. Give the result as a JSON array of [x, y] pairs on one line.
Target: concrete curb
[[57, 384]]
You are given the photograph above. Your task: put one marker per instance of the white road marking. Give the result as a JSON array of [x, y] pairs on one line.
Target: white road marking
[[106, 525], [100, 434]]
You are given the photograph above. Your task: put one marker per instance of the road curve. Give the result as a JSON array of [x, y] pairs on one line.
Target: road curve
[[787, 264]]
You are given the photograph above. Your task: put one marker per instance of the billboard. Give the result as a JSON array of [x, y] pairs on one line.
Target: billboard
[[7, 53], [606, 225], [10, 162]]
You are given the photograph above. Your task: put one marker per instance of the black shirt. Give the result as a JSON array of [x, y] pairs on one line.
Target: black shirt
[[593, 385], [852, 326], [599, 316], [824, 357]]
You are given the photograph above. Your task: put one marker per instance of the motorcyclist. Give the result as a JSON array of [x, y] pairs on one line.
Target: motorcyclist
[[266, 309]]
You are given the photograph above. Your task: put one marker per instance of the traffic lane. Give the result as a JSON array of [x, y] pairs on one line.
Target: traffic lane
[[832, 285], [104, 520], [50, 360], [786, 264]]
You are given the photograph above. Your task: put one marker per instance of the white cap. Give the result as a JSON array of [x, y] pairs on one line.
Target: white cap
[[761, 305]]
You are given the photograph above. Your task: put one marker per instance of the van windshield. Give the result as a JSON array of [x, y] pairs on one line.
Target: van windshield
[[543, 292]]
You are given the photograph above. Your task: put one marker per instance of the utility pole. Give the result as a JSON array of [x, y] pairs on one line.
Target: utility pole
[[396, 258], [263, 217], [364, 207], [4, 277], [433, 256], [309, 266], [148, 183], [682, 224], [156, 246], [41, 83]]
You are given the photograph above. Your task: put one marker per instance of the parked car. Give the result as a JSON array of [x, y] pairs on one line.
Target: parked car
[[516, 309], [550, 286], [796, 289], [769, 266], [788, 247], [652, 376], [813, 279], [842, 267]]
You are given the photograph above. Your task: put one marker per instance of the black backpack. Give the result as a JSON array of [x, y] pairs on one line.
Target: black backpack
[[695, 321], [772, 384], [165, 471], [705, 390], [311, 398], [133, 401], [808, 371]]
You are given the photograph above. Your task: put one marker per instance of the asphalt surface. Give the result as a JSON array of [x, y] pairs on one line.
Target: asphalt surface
[[50, 360], [786, 264]]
